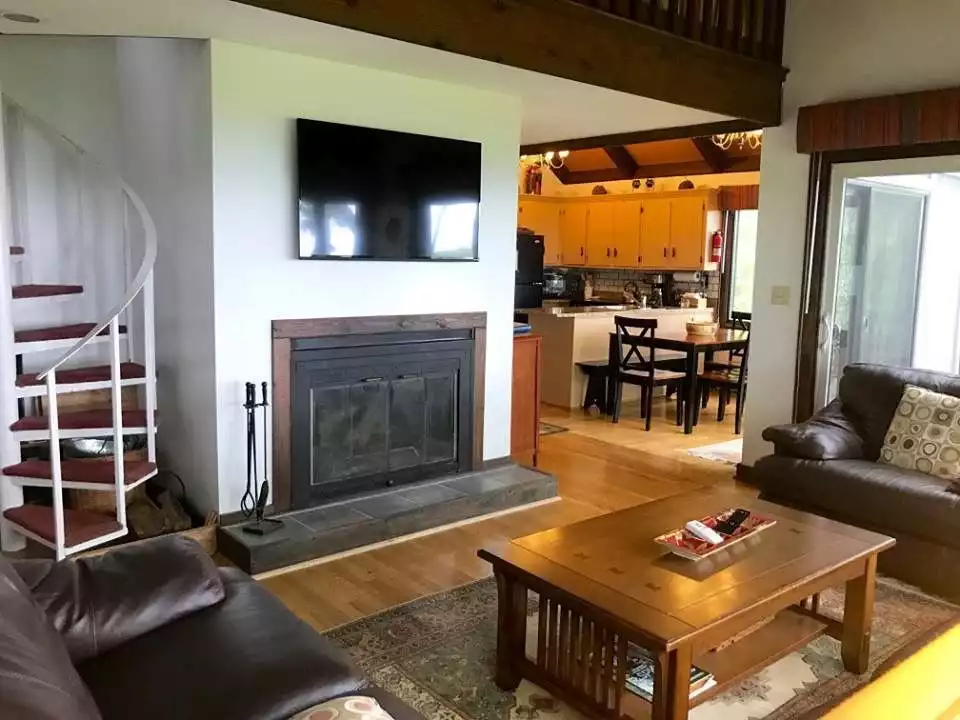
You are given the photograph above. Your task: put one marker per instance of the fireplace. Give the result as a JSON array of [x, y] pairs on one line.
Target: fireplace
[[363, 404]]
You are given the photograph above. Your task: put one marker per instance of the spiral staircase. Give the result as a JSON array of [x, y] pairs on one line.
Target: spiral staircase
[[29, 401]]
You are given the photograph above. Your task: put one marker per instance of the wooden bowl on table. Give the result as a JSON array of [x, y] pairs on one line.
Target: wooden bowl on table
[[702, 328]]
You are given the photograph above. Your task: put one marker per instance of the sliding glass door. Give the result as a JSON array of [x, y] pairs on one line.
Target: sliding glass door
[[875, 256]]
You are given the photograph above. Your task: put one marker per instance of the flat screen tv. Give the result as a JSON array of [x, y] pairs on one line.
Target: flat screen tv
[[370, 194]]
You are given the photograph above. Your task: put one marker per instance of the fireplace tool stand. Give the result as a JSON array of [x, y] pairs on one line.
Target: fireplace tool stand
[[249, 504]]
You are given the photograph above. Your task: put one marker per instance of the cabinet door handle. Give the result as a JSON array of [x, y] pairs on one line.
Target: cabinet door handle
[[674, 252], [581, 251], [608, 252], [664, 252], [614, 252], [639, 259]]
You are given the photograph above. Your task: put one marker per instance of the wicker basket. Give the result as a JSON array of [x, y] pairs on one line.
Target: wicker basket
[[100, 501]]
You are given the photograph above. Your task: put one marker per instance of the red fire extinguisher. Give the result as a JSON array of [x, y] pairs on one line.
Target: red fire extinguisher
[[717, 245]]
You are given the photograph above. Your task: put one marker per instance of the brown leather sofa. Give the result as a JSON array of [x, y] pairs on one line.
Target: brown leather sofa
[[828, 466], [155, 631]]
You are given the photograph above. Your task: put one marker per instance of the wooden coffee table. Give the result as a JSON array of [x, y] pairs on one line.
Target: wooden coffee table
[[603, 583]]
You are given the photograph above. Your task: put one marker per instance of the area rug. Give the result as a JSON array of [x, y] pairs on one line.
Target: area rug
[[437, 655], [729, 453], [550, 429]]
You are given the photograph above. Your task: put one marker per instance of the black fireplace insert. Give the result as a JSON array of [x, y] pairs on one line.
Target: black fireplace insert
[[379, 410]]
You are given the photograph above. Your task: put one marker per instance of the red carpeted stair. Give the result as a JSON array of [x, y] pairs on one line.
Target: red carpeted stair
[[60, 332], [96, 373], [83, 420], [22, 292], [78, 526], [82, 471]]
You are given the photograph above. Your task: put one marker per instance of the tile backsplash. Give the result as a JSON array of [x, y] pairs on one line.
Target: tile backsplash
[[612, 281]]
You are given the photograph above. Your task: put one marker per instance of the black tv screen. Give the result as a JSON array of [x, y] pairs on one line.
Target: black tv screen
[[380, 195]]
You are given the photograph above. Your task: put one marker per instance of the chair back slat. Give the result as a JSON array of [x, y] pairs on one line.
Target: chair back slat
[[635, 346]]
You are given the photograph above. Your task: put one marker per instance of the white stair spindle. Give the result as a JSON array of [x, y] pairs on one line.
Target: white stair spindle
[[53, 416], [117, 402], [150, 362]]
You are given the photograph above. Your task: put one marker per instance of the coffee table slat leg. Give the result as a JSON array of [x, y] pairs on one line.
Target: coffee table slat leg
[[620, 678], [671, 684], [858, 618], [511, 631], [542, 618]]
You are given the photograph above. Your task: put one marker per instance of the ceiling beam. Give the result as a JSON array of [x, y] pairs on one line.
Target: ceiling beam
[[623, 161], [712, 155], [680, 132], [750, 163], [567, 40]]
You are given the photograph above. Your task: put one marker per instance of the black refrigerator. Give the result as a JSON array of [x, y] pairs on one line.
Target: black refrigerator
[[528, 291]]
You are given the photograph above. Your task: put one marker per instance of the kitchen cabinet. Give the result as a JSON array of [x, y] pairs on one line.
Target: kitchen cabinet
[[626, 233], [573, 232], [542, 215], [655, 233], [600, 218], [525, 412], [647, 231]]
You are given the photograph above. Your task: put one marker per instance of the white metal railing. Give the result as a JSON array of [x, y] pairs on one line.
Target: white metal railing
[[142, 284]]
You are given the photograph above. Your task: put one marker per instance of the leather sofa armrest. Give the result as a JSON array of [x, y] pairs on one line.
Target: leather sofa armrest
[[828, 435], [98, 603]]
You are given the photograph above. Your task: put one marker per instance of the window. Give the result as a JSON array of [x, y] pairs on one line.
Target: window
[[741, 261]]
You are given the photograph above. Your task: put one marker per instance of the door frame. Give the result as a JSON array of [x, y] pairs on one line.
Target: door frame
[[815, 253]]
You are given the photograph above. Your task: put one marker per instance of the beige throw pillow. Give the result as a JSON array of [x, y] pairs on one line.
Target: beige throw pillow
[[925, 434]]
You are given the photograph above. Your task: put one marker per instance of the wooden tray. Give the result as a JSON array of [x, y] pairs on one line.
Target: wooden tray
[[685, 544]]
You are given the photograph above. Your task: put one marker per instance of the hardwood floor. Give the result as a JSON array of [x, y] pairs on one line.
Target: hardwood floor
[[600, 467]]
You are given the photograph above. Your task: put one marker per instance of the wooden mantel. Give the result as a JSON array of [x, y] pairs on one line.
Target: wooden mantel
[[600, 44]]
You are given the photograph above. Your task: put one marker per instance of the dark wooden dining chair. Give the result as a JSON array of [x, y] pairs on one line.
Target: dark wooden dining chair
[[635, 340], [733, 379], [739, 321]]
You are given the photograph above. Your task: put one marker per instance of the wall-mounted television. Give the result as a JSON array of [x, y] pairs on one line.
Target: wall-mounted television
[[368, 194]]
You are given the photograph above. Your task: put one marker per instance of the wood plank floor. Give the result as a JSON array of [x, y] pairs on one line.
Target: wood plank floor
[[600, 468]]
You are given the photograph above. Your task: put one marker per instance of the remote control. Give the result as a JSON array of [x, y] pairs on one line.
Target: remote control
[[698, 529], [730, 525]]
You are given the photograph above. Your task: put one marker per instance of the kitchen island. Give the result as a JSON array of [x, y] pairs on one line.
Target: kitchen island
[[572, 335]]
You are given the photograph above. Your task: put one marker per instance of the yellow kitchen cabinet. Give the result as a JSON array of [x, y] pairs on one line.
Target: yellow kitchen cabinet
[[542, 215], [573, 231], [693, 219], [600, 218], [654, 233], [626, 233]]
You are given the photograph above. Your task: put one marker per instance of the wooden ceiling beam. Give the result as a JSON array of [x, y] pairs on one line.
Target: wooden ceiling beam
[[680, 132], [567, 40], [623, 161], [750, 163], [712, 155]]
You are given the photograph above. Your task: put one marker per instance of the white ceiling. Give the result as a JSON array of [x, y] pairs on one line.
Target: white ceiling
[[553, 108]]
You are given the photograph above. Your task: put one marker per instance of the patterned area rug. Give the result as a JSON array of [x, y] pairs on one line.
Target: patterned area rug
[[437, 655]]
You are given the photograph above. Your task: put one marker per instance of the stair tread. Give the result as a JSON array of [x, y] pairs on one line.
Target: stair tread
[[79, 526], [16, 250], [94, 373], [22, 292], [85, 471], [58, 332], [82, 420]]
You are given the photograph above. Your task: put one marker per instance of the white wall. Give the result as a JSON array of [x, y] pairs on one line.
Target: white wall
[[166, 156], [257, 94], [835, 51]]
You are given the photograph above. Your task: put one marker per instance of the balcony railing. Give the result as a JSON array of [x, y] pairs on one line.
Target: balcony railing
[[746, 27]]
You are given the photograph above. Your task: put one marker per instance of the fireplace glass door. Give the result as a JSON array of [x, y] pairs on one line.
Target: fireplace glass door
[[379, 416]]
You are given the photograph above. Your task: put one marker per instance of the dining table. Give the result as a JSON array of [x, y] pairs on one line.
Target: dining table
[[692, 345]]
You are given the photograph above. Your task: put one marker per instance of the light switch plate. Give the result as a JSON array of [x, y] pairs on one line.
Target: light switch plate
[[780, 295]]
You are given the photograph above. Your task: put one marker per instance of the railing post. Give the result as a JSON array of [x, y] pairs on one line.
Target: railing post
[[150, 362], [56, 471], [116, 392]]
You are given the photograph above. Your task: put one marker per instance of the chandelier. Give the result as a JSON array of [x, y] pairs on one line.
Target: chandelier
[[752, 139], [550, 158]]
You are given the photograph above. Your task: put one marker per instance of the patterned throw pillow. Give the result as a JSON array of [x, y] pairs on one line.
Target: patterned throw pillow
[[346, 708], [925, 434]]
